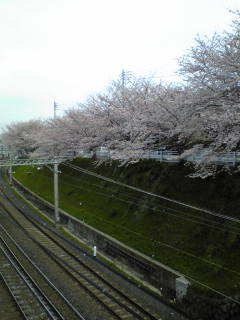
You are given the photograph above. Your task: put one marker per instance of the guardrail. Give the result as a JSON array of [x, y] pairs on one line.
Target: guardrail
[[166, 156], [221, 158], [174, 156]]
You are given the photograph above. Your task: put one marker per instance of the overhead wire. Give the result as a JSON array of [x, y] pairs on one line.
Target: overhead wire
[[153, 194], [212, 224], [167, 245], [161, 212], [187, 276], [161, 243], [164, 243]]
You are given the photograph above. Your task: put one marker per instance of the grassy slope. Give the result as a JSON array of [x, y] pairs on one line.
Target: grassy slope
[[154, 226]]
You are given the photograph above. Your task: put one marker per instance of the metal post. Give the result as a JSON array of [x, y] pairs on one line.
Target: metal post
[[55, 172], [10, 175], [55, 109], [234, 158], [56, 197], [94, 251], [10, 170]]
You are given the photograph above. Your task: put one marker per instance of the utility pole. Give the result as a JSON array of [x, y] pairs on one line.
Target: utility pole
[[123, 74], [10, 171], [10, 175], [56, 193], [55, 173], [55, 109]]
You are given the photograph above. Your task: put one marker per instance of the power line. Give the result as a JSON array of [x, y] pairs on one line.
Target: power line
[[157, 241], [160, 212], [161, 243], [152, 194]]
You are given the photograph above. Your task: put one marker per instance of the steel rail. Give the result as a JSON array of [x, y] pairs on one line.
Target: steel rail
[[33, 220], [67, 266], [78, 314], [101, 278], [51, 311], [169, 305], [102, 290], [13, 297]]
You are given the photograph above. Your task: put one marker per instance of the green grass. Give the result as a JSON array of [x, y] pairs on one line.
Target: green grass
[[167, 232]]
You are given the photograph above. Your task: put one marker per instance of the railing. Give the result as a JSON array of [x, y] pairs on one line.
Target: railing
[[174, 156], [228, 157], [166, 156]]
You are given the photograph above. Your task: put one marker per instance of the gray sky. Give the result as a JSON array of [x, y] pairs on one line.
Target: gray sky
[[64, 50]]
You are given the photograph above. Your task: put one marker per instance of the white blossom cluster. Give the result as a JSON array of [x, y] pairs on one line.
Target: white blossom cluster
[[137, 114]]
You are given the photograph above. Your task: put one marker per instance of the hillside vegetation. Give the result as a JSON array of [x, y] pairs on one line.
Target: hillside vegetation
[[197, 244]]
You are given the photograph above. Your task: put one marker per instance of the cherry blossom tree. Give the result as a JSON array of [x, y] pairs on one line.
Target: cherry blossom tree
[[141, 116], [51, 139], [20, 137], [212, 71], [134, 115]]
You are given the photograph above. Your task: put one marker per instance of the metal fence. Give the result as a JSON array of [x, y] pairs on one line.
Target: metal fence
[[173, 156], [220, 158], [166, 156]]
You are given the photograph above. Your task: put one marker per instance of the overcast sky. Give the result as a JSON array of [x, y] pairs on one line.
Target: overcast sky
[[64, 50]]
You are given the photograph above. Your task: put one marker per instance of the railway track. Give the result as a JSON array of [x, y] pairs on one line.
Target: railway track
[[33, 293], [9, 307], [28, 296], [87, 274], [86, 282], [83, 274]]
